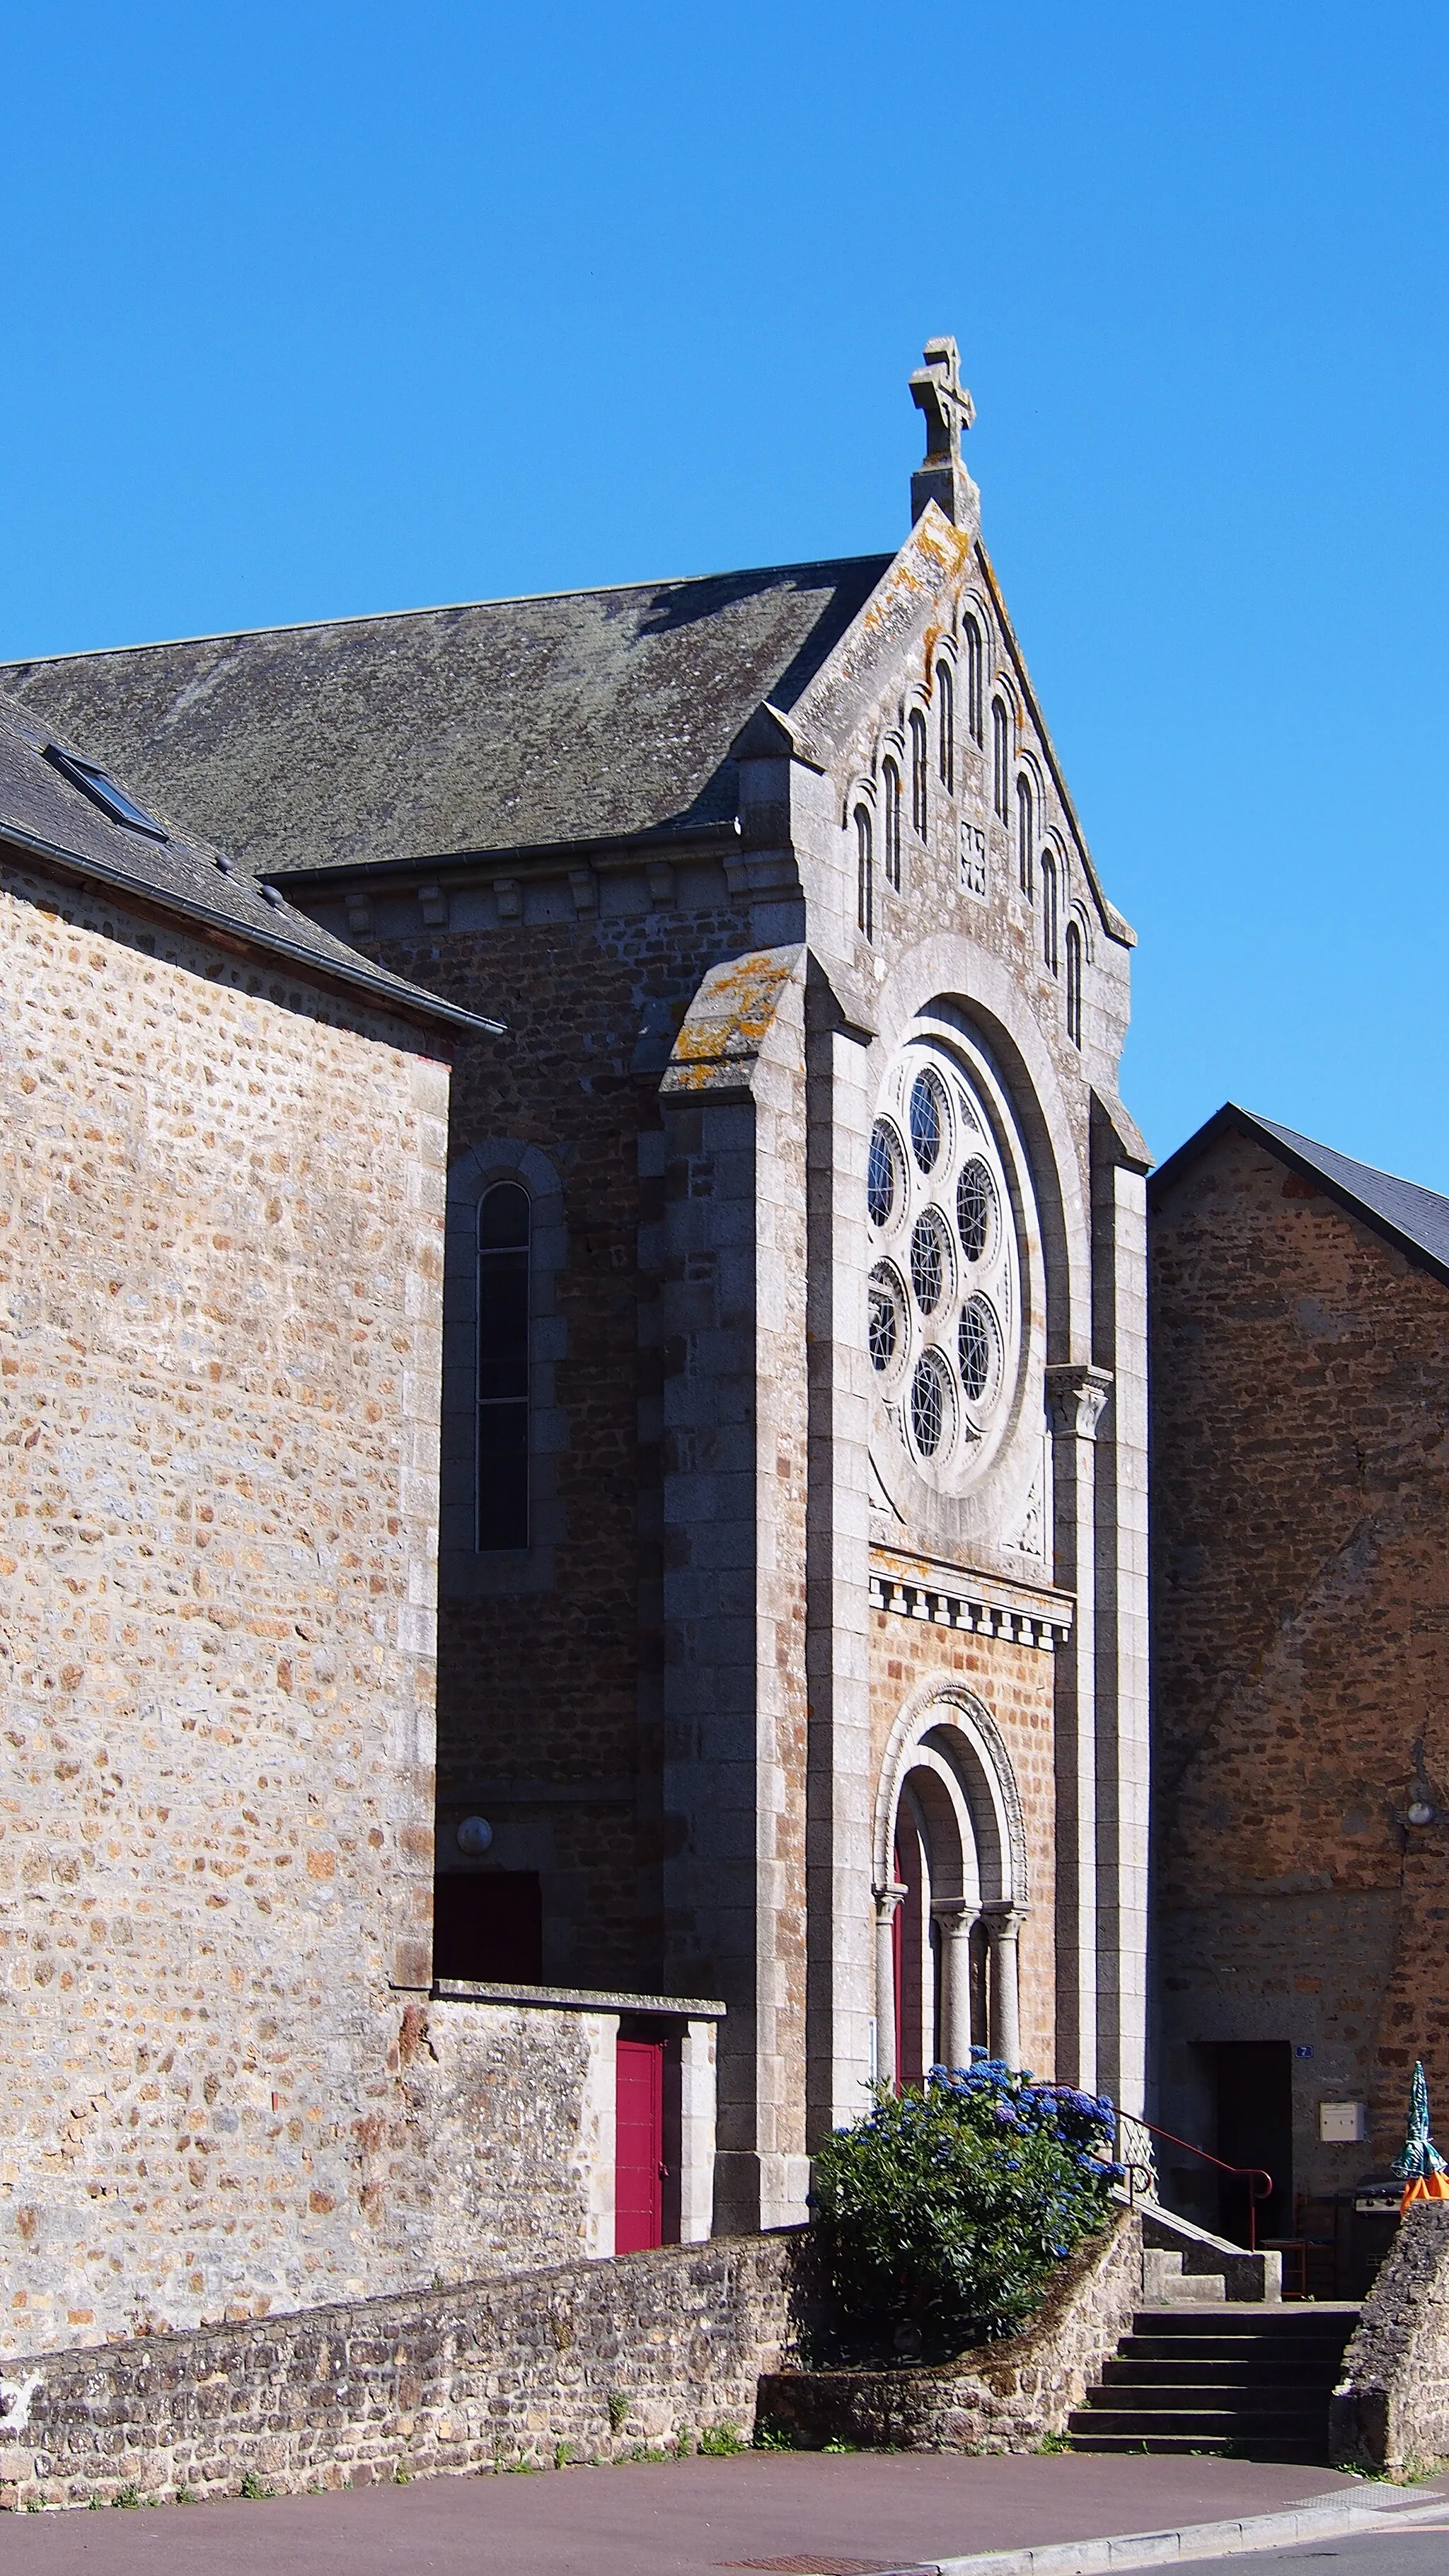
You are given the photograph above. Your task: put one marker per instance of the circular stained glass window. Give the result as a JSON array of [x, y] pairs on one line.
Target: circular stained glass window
[[976, 1208], [883, 1174], [930, 1405], [885, 1317], [930, 1260], [928, 1119], [980, 1345]]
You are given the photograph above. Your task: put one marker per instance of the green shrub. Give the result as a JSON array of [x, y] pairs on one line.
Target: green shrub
[[941, 2214]]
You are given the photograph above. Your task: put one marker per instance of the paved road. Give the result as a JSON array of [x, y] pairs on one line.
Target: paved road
[[845, 2515], [1414, 2544]]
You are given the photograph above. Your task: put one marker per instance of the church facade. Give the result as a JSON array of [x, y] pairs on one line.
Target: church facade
[[792, 1569]]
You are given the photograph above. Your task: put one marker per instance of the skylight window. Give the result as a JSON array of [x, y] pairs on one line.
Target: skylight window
[[103, 791]]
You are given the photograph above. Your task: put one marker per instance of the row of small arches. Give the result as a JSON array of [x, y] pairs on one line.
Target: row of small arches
[[1058, 950]]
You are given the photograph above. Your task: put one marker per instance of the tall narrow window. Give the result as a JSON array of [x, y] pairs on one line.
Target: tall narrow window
[[503, 1232], [918, 772], [1074, 984], [946, 724], [1049, 909], [1000, 761], [865, 874], [1025, 824], [892, 826], [972, 635]]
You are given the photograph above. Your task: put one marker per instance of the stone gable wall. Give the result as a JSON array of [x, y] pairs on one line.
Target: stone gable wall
[[1301, 1604], [220, 1240]]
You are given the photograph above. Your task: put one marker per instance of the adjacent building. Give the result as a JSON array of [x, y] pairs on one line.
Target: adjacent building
[[1300, 1356]]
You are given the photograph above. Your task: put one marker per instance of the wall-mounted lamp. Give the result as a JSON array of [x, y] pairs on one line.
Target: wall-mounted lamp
[[474, 1836], [1421, 1808]]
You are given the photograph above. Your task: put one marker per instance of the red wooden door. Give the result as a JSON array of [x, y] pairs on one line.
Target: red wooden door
[[638, 2145]]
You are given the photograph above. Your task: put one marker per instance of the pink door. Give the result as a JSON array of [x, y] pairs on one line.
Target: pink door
[[639, 2145]]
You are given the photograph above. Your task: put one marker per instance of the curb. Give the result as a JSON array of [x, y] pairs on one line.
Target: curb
[[1317, 2518]]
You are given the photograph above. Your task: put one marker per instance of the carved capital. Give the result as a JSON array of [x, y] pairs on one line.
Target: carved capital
[[955, 1914], [1003, 1921], [1076, 1400], [887, 1899]]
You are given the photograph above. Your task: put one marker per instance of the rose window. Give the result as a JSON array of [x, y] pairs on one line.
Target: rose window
[[927, 1118], [945, 1282], [885, 1317], [882, 1174]]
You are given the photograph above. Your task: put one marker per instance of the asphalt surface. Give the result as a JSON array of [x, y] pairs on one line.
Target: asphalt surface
[[791, 2513], [1414, 2543]]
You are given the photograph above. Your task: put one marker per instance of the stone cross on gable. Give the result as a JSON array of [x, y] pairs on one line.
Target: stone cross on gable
[[937, 390]]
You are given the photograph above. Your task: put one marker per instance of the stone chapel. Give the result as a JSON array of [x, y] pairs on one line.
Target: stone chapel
[[792, 1571]]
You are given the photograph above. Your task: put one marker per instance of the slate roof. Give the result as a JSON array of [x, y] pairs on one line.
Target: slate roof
[[46, 814], [509, 725], [1414, 1219]]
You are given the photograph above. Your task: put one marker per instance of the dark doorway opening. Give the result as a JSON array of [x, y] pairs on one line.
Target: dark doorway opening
[[488, 1925], [1255, 2127]]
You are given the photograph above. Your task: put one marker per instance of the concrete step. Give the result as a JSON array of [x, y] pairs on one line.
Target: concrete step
[[1207, 2370], [1165, 2284], [1198, 2444], [1224, 2404]]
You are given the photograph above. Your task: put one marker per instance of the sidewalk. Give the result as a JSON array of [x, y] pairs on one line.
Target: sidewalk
[[793, 2513]]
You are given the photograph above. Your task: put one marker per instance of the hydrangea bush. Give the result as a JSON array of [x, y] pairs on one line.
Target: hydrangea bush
[[940, 2215]]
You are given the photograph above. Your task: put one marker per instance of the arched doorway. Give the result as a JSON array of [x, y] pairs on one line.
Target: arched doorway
[[950, 1892]]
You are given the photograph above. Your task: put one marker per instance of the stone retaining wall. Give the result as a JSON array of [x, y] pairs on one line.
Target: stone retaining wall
[[648, 2349], [1391, 2407], [1002, 2396]]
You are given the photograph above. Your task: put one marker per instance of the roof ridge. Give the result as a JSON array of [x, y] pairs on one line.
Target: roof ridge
[[1351, 1162], [443, 608]]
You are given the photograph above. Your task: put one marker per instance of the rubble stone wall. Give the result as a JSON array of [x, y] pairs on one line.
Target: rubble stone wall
[[1004, 2396], [1391, 2407], [221, 1207], [591, 2359]]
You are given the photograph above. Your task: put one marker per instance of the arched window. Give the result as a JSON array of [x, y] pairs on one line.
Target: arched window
[[1000, 760], [504, 1217], [1074, 984], [971, 635], [892, 826], [1049, 909], [865, 874], [946, 723], [1025, 824], [918, 772]]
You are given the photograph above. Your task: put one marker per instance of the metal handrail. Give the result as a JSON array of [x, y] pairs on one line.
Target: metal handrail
[[1252, 2175]]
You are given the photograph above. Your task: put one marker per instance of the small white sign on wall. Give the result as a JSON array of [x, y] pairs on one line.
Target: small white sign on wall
[[1341, 2124]]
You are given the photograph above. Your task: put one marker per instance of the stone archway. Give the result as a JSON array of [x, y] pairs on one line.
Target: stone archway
[[950, 1889]]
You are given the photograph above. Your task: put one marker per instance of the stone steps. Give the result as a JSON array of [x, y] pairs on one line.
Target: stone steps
[[1253, 2382]]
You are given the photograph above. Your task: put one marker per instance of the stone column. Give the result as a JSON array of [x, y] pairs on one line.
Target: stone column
[[887, 1899], [954, 1918], [1003, 1925], [1119, 1310], [839, 1966], [696, 2132], [1076, 1398]]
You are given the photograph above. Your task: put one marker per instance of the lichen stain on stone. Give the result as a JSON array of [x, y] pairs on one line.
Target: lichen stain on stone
[[731, 1018]]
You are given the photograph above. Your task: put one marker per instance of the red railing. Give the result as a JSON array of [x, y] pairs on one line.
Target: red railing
[[1252, 2175]]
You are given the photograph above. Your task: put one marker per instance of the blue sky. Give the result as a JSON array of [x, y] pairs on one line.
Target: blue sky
[[317, 309]]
